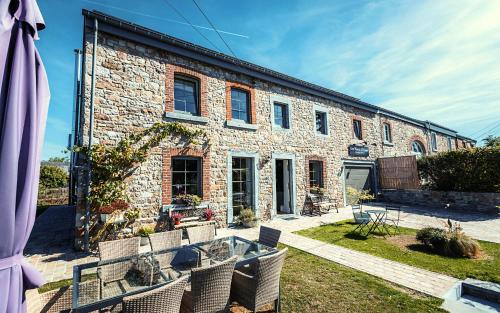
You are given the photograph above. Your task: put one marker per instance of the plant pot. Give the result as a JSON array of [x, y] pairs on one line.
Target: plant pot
[[208, 219], [177, 222], [250, 224], [144, 240]]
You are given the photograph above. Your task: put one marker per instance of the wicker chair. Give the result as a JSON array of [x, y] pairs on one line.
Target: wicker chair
[[210, 288], [165, 299], [165, 240], [119, 248], [260, 284], [269, 236], [201, 233]]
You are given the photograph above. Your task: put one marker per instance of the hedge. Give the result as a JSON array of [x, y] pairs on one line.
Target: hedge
[[470, 170]]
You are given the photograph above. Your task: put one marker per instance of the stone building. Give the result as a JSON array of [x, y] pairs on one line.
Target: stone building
[[271, 136]]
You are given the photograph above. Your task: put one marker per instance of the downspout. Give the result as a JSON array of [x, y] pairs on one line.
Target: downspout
[[429, 139], [91, 135], [75, 123]]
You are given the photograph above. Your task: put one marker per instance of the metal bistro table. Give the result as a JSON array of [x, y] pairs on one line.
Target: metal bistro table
[[104, 284], [377, 216]]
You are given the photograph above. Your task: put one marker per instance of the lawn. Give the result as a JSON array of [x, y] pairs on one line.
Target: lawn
[[405, 249], [313, 284]]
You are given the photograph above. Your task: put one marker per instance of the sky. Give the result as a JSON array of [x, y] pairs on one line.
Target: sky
[[431, 60]]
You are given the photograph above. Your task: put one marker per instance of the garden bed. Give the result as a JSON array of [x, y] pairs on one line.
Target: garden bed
[[403, 249]]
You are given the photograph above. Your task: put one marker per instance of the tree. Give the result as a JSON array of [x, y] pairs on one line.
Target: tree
[[492, 141], [53, 177], [58, 159]]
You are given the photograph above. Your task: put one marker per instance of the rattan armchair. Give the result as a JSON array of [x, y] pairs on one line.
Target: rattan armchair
[[165, 299], [269, 236], [201, 233], [261, 284], [210, 288], [165, 240]]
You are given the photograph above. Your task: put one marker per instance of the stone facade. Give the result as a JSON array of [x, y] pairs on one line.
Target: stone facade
[[134, 89], [480, 202]]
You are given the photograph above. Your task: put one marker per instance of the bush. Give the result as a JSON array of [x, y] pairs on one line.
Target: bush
[[450, 241], [53, 177], [472, 170], [247, 218]]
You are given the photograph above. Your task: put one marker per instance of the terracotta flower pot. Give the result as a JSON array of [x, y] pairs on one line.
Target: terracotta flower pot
[[177, 221]]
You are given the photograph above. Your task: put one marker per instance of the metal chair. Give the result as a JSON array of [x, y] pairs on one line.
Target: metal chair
[[260, 284], [269, 236], [210, 288], [165, 240], [200, 233], [392, 216], [362, 219], [165, 299]]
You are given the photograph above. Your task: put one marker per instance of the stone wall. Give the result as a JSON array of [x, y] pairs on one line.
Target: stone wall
[[132, 93], [453, 200]]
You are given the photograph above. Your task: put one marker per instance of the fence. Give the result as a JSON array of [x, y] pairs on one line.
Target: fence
[[53, 196], [398, 173]]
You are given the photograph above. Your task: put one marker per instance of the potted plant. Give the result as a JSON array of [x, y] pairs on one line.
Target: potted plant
[[176, 216], [144, 231], [189, 199], [114, 209], [247, 218], [208, 214], [317, 190]]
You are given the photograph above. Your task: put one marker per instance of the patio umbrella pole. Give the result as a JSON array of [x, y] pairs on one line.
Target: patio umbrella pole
[[91, 135]]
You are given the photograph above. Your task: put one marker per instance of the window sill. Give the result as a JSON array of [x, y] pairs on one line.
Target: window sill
[[321, 135], [280, 129], [186, 117], [387, 143], [182, 207], [241, 125]]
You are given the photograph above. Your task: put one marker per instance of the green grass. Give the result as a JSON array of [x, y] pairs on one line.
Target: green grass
[[485, 268], [313, 284]]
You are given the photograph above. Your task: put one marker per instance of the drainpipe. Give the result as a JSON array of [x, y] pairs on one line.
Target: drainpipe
[[75, 122], [91, 135], [429, 139]]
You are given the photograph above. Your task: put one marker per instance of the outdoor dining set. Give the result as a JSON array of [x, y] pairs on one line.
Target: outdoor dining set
[[380, 220], [205, 275]]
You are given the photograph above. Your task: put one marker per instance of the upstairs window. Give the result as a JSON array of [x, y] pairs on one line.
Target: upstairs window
[[321, 123], [281, 116], [186, 95], [240, 105], [186, 176], [450, 144], [316, 174], [434, 142], [387, 133], [358, 132]]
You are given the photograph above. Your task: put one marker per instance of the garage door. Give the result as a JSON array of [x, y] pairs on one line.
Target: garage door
[[358, 178]]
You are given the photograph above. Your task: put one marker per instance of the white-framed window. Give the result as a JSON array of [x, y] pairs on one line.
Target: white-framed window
[[434, 142], [450, 144], [387, 133], [417, 148], [321, 120]]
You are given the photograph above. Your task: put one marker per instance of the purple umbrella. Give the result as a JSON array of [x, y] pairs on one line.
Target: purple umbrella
[[24, 98]]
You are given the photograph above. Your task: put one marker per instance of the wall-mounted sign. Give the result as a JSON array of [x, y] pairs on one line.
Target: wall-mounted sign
[[358, 151]]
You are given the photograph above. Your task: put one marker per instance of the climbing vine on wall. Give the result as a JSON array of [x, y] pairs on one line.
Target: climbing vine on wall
[[112, 165]]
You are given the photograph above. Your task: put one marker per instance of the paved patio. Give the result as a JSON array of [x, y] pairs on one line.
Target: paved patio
[[50, 245]]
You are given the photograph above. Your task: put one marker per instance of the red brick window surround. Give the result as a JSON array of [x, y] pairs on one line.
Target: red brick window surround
[[357, 121], [168, 154], [251, 94], [418, 139], [173, 71], [322, 161]]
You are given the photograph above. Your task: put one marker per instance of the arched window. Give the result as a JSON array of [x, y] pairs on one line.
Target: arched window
[[417, 147]]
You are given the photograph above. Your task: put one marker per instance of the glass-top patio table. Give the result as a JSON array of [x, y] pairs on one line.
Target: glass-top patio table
[[102, 284]]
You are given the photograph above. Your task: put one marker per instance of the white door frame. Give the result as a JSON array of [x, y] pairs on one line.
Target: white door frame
[[293, 190], [255, 177]]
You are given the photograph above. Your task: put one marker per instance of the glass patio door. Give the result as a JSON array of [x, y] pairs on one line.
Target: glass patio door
[[242, 185]]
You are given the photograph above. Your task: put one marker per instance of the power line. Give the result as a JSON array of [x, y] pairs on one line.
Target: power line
[[486, 127], [488, 131], [213, 26], [187, 21], [161, 18]]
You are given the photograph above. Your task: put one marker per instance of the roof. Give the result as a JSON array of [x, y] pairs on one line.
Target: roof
[[143, 35]]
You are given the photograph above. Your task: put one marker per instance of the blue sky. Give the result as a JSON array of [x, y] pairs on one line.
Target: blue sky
[[436, 60]]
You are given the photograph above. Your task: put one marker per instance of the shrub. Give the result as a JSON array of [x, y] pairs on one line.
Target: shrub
[[450, 241], [355, 196], [53, 177], [145, 230], [472, 170]]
